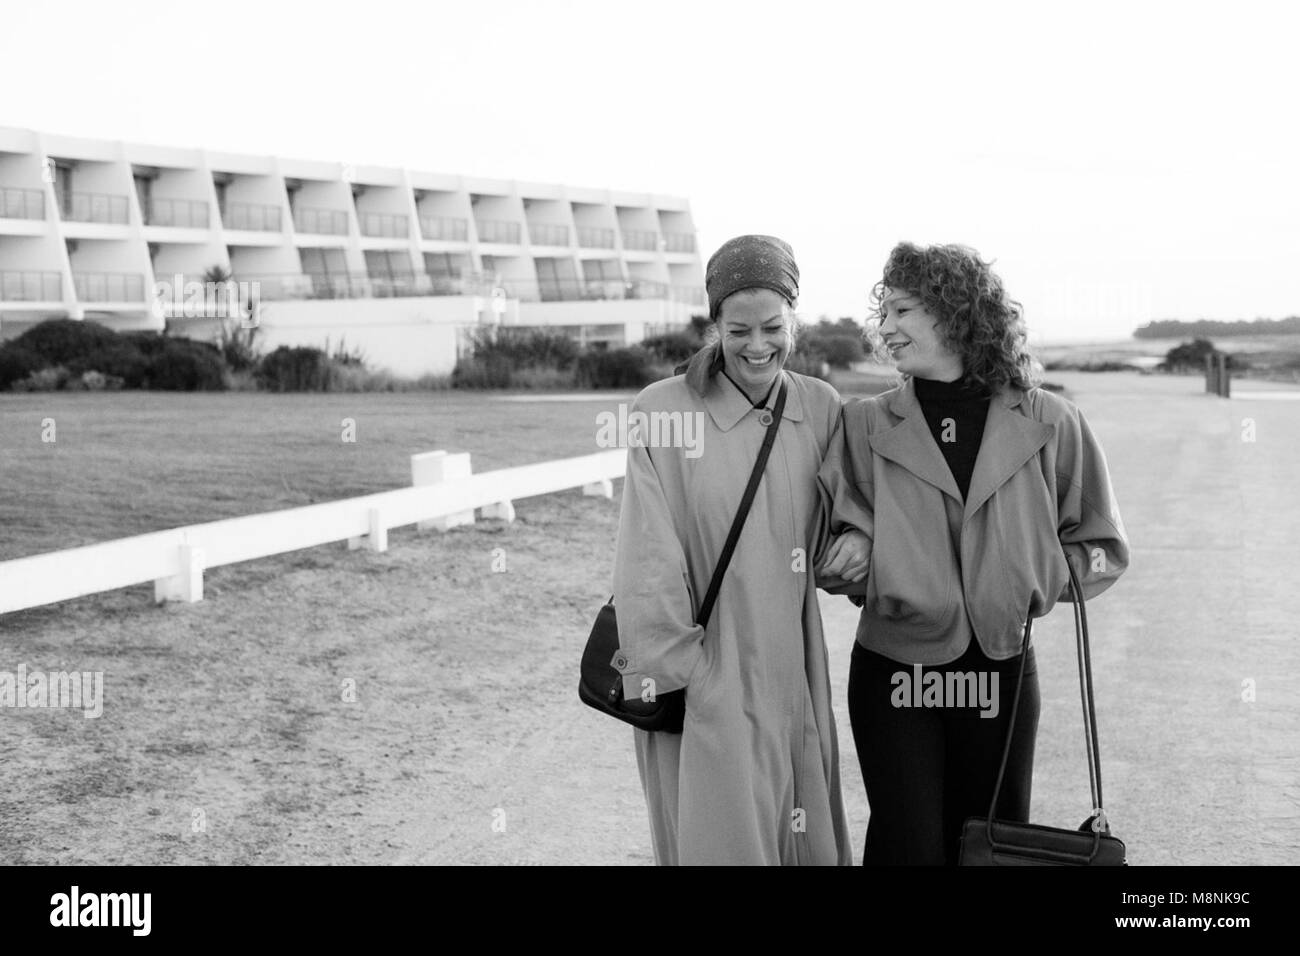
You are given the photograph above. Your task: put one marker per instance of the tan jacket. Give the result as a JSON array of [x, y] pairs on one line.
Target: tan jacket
[[942, 570]]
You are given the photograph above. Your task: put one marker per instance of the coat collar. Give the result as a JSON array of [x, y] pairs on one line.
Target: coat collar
[[726, 403], [1010, 439]]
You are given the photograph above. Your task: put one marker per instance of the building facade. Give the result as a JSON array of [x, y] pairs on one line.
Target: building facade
[[399, 263]]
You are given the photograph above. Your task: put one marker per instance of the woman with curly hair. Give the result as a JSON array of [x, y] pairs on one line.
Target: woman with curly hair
[[956, 500]]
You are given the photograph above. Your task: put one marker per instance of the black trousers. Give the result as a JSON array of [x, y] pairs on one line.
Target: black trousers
[[928, 768]]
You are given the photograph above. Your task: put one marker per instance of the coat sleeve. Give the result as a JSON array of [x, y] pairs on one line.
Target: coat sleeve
[[653, 598], [1088, 519], [847, 498]]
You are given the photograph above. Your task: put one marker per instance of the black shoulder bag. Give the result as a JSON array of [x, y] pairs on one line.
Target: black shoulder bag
[[601, 685], [986, 841]]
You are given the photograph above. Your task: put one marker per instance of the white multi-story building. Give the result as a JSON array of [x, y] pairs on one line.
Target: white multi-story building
[[399, 263]]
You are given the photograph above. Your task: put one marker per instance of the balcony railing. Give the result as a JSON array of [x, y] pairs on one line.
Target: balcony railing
[[95, 207], [108, 287], [444, 228], [679, 242], [31, 287], [576, 290], [493, 230], [591, 237], [21, 203], [640, 239], [180, 213], [251, 217], [360, 285], [385, 225], [548, 234], [321, 222]]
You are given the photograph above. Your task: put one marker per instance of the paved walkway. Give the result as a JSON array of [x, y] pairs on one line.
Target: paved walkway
[[1193, 773]]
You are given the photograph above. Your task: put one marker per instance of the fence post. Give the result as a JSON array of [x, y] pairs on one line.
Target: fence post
[[503, 510], [376, 539], [435, 467], [1225, 382], [185, 586], [599, 489]]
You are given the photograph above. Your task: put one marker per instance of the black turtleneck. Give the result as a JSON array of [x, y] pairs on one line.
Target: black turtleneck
[[955, 412]]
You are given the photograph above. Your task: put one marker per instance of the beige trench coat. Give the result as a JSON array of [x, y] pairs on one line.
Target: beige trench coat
[[754, 777]]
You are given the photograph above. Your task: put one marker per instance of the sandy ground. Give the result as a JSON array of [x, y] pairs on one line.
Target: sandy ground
[[226, 736]]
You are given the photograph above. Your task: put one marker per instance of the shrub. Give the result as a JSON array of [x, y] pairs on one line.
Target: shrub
[[184, 365], [1191, 356], [48, 379], [541, 378], [16, 363], [836, 349], [808, 365], [244, 380], [122, 359], [295, 369], [614, 368], [673, 347], [430, 382], [492, 372], [94, 381], [63, 341], [526, 348], [838, 343]]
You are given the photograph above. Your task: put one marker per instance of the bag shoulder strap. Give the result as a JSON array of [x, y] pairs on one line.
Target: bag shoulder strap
[[1099, 822], [711, 596]]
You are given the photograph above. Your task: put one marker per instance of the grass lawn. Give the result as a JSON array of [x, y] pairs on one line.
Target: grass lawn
[[126, 463], [130, 462]]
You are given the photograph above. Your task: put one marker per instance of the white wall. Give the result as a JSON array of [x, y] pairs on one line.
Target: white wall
[[409, 336]]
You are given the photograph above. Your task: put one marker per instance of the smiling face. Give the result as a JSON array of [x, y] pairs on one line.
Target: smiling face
[[755, 325], [911, 334]]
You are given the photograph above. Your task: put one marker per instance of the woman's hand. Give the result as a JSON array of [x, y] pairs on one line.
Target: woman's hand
[[848, 557]]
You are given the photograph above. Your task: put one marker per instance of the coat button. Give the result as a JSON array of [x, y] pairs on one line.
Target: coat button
[[619, 662], [765, 418]]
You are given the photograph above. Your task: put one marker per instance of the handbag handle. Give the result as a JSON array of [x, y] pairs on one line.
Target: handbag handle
[[1099, 822], [715, 584]]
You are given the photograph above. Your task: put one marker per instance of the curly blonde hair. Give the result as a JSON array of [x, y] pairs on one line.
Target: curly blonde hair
[[973, 313]]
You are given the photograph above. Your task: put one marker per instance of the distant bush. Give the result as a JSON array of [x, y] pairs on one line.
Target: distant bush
[[63, 341], [1190, 356], [838, 343], [541, 378], [184, 365], [526, 348], [48, 379], [16, 363], [808, 365], [614, 368], [492, 372], [121, 359], [673, 347], [295, 369], [1177, 328]]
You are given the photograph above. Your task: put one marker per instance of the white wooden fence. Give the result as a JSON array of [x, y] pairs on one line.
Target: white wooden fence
[[444, 494]]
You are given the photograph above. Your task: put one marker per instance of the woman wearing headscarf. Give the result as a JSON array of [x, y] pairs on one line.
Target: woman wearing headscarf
[[964, 491], [754, 776]]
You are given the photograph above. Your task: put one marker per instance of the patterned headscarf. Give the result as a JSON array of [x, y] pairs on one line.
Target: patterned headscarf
[[746, 262], [751, 262]]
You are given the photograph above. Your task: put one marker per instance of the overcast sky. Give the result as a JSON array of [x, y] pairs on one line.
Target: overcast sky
[[1119, 161]]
